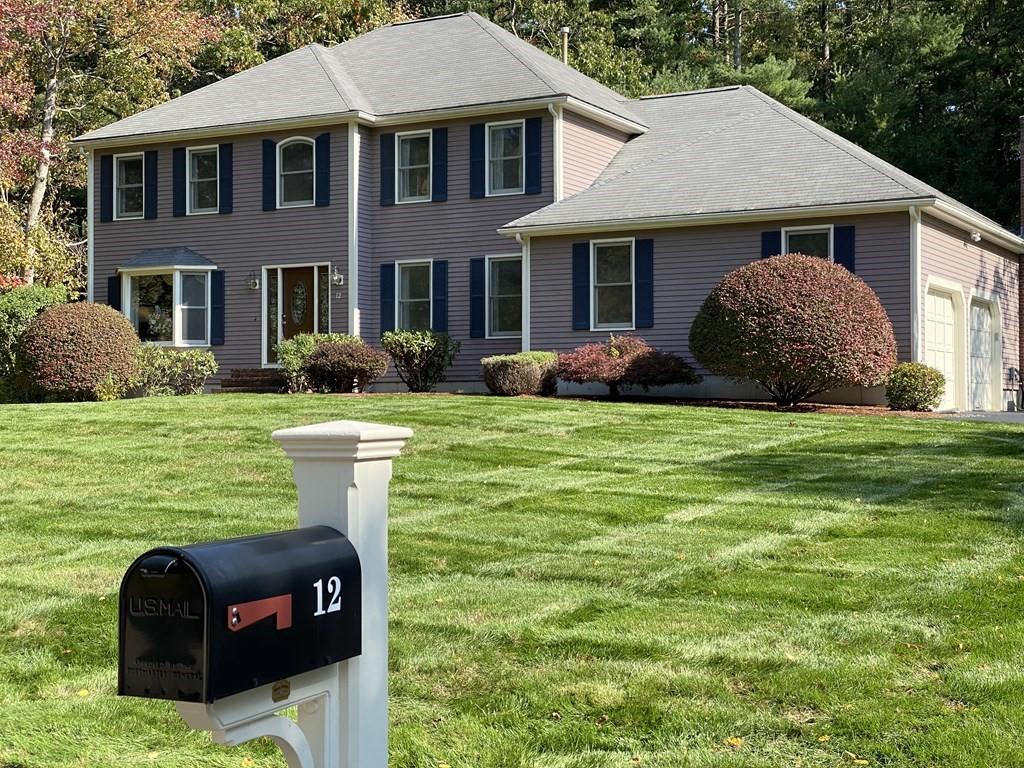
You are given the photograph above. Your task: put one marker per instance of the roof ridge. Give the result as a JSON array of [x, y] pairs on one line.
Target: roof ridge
[[696, 92], [316, 48], [477, 19], [837, 141]]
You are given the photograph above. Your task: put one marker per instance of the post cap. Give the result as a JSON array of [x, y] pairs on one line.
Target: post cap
[[353, 440]]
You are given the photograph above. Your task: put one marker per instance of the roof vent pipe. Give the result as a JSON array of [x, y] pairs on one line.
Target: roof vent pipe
[[565, 44]]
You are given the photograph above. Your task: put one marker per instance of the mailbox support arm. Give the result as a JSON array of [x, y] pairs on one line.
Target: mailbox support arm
[[282, 731]]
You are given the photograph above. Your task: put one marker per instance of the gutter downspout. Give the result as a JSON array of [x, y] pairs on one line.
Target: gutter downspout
[[353, 228], [90, 248], [916, 354], [524, 242], [557, 139]]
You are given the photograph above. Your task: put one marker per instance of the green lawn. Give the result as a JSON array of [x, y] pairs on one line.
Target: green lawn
[[573, 583]]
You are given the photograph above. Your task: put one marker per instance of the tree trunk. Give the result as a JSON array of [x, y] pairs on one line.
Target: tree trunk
[[737, 45], [826, 48], [35, 203]]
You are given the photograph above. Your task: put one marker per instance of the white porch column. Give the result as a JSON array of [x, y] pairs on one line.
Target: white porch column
[[342, 470]]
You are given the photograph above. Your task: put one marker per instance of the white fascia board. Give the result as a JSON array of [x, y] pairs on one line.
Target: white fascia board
[[988, 230]]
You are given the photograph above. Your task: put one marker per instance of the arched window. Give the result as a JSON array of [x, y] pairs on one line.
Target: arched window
[[295, 172]]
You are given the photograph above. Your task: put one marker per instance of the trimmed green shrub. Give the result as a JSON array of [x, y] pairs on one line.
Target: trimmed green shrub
[[19, 307], [915, 387], [78, 352], [624, 360], [292, 355], [798, 326], [524, 373], [422, 358], [344, 366], [160, 371]]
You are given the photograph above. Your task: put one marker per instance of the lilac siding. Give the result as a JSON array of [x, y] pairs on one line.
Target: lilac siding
[[587, 148], [947, 252], [240, 242], [689, 263], [457, 230]]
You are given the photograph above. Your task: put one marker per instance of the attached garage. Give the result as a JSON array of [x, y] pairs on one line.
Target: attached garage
[[986, 354], [941, 348]]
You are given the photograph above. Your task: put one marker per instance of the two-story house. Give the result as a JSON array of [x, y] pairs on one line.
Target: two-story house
[[445, 174]]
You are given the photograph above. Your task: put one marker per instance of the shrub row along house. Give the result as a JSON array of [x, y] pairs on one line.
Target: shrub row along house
[[445, 174]]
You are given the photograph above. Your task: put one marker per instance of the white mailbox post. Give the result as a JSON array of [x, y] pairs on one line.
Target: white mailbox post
[[342, 470]]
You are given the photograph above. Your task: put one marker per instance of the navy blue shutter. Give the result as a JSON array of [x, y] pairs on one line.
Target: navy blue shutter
[[477, 161], [844, 246], [114, 291], [643, 287], [322, 193], [477, 298], [439, 277], [771, 243], [439, 172], [533, 155], [269, 175], [387, 297], [107, 188], [178, 181], [217, 307], [387, 169], [226, 178], [581, 286], [149, 184]]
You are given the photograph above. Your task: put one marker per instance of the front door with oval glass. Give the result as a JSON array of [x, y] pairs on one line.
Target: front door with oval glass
[[296, 300]]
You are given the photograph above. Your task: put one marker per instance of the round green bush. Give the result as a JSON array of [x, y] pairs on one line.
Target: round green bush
[[293, 353], [344, 367], [19, 306], [524, 373], [160, 371], [78, 352], [422, 358], [798, 326], [914, 387]]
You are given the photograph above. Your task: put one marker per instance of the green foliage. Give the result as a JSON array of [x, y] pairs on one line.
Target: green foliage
[[914, 387], [18, 308], [292, 355], [344, 367], [160, 371], [421, 358], [772, 76], [77, 352], [524, 373]]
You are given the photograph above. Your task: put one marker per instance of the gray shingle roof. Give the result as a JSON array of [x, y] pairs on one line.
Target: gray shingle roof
[[167, 257], [730, 150], [440, 63]]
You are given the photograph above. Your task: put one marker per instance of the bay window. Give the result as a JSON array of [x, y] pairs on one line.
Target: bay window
[[169, 307]]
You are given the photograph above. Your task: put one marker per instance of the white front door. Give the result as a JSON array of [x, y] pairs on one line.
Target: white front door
[[940, 342], [982, 346]]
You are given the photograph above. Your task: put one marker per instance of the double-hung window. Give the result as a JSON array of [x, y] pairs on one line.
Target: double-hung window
[[169, 307], [505, 158], [810, 241], [129, 194], [414, 296], [295, 173], [504, 296], [611, 272], [412, 166], [202, 180]]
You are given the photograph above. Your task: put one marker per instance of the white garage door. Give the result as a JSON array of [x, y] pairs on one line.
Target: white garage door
[[982, 345], [940, 342]]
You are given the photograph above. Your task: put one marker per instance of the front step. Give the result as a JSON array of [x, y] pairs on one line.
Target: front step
[[261, 380]]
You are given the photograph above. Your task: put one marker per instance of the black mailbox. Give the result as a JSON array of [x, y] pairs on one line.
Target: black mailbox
[[206, 621]]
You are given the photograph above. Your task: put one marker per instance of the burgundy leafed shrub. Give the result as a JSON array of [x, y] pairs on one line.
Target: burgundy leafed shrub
[[344, 366], [624, 360], [78, 352], [797, 325]]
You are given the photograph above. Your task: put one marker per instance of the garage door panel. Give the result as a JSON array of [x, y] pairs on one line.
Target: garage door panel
[[940, 342]]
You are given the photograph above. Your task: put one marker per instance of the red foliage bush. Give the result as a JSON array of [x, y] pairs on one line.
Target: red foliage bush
[[10, 282], [624, 360], [797, 325], [344, 366]]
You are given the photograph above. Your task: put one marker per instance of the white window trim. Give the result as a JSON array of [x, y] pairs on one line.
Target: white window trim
[[264, 362], [176, 271], [277, 176], [488, 260], [188, 180], [594, 326], [522, 164], [142, 213], [812, 228], [398, 167], [398, 289]]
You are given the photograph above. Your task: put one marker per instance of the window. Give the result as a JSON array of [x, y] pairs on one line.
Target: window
[[413, 167], [612, 275], [170, 307], [295, 173], [505, 158], [129, 195], [810, 241], [504, 296], [414, 296], [202, 180]]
